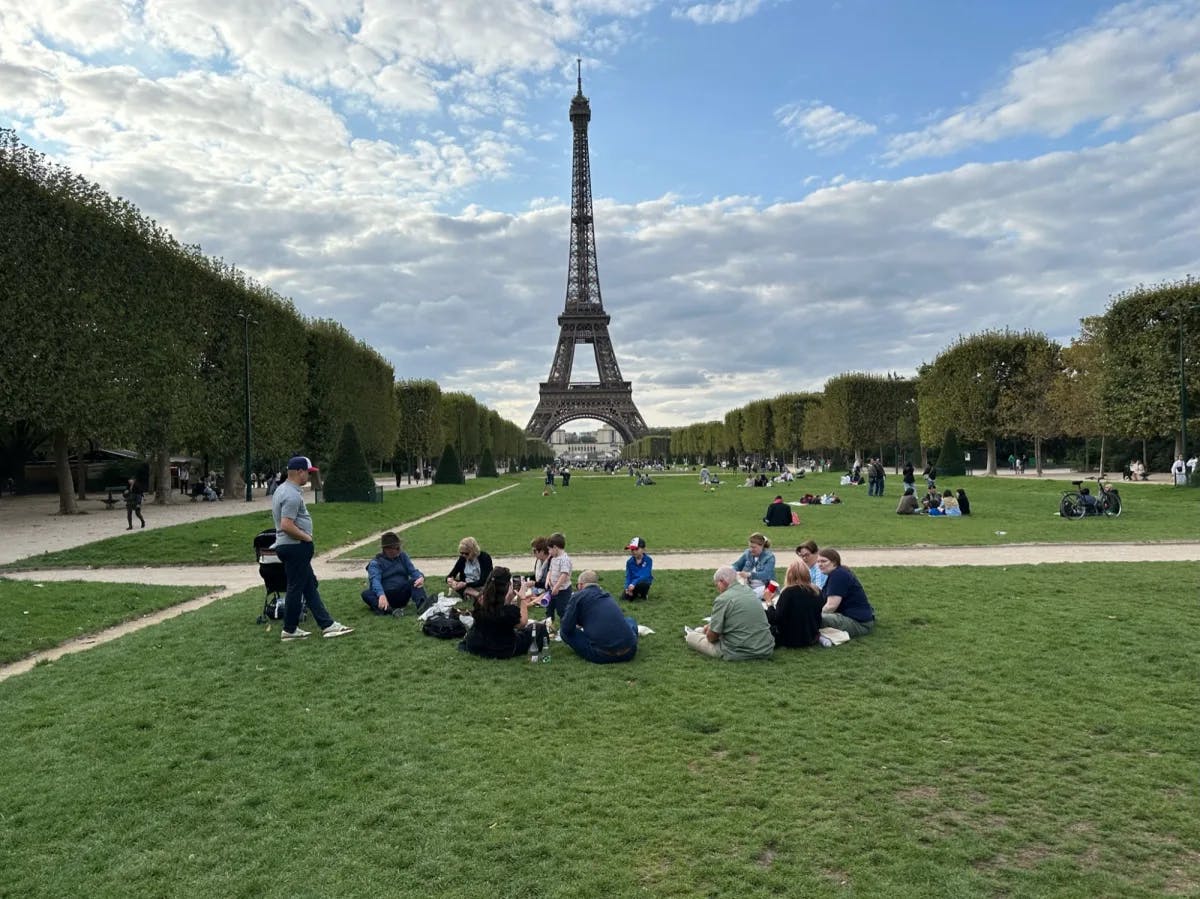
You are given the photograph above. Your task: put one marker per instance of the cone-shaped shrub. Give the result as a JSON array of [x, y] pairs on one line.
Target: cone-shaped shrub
[[349, 479], [951, 463], [487, 465], [448, 470]]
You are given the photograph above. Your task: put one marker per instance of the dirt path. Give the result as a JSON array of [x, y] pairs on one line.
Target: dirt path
[[31, 525]]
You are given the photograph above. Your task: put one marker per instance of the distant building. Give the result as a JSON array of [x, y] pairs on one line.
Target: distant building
[[597, 446]]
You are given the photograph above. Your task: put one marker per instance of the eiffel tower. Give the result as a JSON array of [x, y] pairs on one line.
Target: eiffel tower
[[584, 319]]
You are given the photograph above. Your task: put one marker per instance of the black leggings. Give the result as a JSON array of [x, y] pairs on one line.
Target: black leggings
[[130, 511]]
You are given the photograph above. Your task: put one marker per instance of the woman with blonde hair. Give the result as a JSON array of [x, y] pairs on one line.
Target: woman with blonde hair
[[756, 566], [471, 570], [796, 616]]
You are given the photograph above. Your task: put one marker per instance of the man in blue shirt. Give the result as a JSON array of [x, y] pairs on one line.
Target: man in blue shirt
[[639, 570], [594, 625], [393, 580]]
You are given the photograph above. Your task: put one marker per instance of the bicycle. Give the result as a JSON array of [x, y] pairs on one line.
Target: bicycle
[[1075, 503]]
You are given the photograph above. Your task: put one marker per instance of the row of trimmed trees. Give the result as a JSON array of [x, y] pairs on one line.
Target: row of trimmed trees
[[118, 335], [1120, 377]]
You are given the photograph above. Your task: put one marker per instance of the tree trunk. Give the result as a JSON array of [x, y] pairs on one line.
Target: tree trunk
[[233, 479], [990, 442], [1102, 439], [161, 461], [1037, 454], [62, 466], [80, 477]]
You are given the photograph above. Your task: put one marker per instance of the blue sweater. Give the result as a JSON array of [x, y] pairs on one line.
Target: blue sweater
[[601, 619], [387, 574], [635, 573]]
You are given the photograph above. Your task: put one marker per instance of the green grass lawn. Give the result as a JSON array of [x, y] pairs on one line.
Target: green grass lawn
[[230, 539], [37, 616], [1027, 731], [600, 513]]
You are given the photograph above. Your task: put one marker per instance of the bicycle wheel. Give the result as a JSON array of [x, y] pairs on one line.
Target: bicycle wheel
[[1072, 506], [1111, 504]]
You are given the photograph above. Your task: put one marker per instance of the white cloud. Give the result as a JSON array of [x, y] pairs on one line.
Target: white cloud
[[1137, 63], [820, 126], [724, 12]]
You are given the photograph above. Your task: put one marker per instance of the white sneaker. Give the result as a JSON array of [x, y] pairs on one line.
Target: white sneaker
[[337, 629], [297, 634], [825, 641]]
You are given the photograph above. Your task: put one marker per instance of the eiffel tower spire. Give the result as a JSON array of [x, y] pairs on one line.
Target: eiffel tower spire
[[584, 320]]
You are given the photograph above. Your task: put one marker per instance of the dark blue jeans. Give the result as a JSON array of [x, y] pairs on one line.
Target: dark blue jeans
[[558, 604], [397, 597], [583, 647], [301, 582]]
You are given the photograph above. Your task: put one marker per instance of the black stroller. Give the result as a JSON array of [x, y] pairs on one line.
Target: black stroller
[[270, 569]]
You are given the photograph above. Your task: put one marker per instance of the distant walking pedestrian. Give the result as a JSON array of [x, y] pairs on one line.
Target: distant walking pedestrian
[[133, 503], [184, 476]]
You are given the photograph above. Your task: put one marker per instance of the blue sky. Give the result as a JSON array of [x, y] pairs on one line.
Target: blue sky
[[785, 191]]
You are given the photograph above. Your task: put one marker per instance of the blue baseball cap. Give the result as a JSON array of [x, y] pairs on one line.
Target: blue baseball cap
[[301, 463]]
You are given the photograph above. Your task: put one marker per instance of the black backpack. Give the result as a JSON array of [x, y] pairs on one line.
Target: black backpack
[[444, 627]]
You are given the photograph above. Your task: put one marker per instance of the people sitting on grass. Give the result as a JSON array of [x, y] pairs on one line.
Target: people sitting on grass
[[931, 500], [1089, 502], [908, 503], [779, 514], [594, 626], [846, 606], [393, 581], [950, 503], [738, 628], [639, 570], [795, 616], [501, 627], [964, 504], [536, 584], [806, 552], [471, 571], [756, 566]]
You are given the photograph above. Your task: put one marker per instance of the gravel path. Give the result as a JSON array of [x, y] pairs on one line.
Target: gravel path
[[31, 525]]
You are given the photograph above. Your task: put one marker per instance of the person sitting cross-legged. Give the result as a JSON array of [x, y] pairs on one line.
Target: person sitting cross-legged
[[738, 628], [779, 514], [846, 605], [393, 580], [594, 625], [639, 570]]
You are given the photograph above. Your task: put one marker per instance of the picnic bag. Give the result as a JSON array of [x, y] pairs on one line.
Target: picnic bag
[[444, 627]]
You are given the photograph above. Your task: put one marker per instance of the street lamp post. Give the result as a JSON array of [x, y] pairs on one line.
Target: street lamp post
[[246, 322]]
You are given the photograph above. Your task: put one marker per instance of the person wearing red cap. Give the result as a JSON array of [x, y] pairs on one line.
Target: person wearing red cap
[[294, 547], [639, 570]]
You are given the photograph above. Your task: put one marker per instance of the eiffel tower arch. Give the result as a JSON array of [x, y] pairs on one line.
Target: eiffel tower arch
[[584, 320]]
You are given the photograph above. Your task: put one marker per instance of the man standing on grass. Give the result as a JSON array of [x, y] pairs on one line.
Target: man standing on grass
[[294, 546], [594, 625], [738, 628]]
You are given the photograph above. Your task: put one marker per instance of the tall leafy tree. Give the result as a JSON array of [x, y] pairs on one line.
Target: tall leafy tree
[[972, 387]]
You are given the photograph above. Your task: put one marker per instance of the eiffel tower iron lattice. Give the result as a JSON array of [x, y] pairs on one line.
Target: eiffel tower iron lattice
[[583, 319]]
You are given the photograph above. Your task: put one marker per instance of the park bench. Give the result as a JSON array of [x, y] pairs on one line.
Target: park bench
[[110, 500]]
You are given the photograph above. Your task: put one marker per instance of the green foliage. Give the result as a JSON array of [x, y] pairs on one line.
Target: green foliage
[[1140, 337], [448, 470], [487, 465], [863, 411], [950, 463], [349, 479], [1029, 763]]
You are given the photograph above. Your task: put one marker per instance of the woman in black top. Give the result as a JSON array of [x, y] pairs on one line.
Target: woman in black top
[[501, 627], [964, 504], [796, 616], [471, 571]]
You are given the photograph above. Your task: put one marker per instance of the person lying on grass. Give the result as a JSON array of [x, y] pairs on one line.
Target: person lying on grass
[[738, 628], [501, 628], [846, 605]]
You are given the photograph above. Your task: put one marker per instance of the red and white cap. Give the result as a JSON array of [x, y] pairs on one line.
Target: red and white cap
[[636, 543]]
